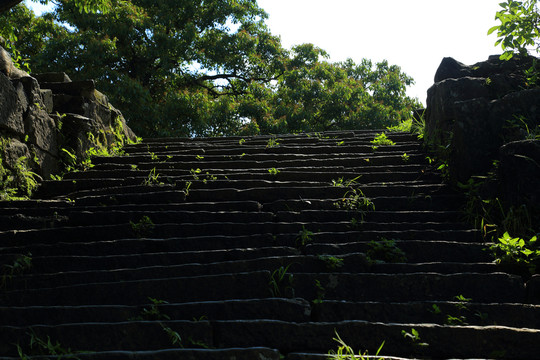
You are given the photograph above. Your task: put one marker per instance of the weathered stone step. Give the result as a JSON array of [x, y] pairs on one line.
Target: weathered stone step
[[174, 354], [101, 216], [492, 287], [434, 312], [63, 271], [415, 202], [207, 181], [286, 152], [325, 173], [248, 153], [420, 230], [287, 337], [366, 160], [416, 251], [223, 248], [295, 310], [131, 336], [443, 341], [262, 140], [182, 289], [483, 287]]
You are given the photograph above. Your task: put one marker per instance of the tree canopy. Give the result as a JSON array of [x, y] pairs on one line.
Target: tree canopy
[[205, 68]]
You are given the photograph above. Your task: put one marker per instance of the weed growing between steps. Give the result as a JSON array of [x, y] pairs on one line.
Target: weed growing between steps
[[17, 182], [39, 346], [281, 282], [143, 228], [345, 352], [21, 264], [385, 251], [510, 231], [381, 140], [460, 313]]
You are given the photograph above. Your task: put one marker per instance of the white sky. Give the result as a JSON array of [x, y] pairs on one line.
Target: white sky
[[414, 34]]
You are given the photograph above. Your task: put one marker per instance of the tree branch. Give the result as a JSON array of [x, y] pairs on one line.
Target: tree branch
[[5, 5]]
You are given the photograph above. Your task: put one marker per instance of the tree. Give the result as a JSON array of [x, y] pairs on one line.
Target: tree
[[209, 68], [519, 28]]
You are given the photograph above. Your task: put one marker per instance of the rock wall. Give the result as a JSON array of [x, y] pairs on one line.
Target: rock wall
[[44, 113], [488, 113]]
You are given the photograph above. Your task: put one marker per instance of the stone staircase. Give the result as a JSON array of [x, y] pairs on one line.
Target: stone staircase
[[256, 248]]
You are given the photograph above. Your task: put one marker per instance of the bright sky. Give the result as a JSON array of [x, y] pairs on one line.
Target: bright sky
[[414, 34]]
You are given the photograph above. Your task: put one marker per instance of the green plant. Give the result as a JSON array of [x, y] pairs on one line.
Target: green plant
[[241, 141], [354, 199], [40, 346], [152, 179], [519, 27], [331, 262], [385, 250], [340, 182], [142, 228], [304, 237], [272, 142], [174, 337], [414, 336], [273, 171], [380, 140], [153, 312], [510, 250], [321, 291], [21, 264], [405, 157], [281, 282], [187, 186], [345, 352]]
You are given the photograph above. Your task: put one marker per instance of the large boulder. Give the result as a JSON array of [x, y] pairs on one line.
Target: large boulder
[[519, 172], [473, 110], [42, 114]]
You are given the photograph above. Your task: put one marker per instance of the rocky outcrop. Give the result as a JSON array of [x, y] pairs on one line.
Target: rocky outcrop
[[42, 114], [473, 111]]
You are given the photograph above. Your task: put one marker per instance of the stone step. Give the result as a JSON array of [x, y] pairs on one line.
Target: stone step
[[294, 310], [62, 271], [483, 287], [433, 312], [358, 160], [207, 181], [285, 152], [442, 341], [287, 337], [325, 173], [223, 248], [182, 289], [403, 231], [104, 215]]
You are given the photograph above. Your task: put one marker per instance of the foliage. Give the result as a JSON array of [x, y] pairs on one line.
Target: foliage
[[385, 250], [281, 281], [143, 228], [17, 182], [510, 250], [414, 337], [345, 352], [519, 27], [381, 139], [207, 69], [304, 237], [331, 262], [21, 264], [46, 347]]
